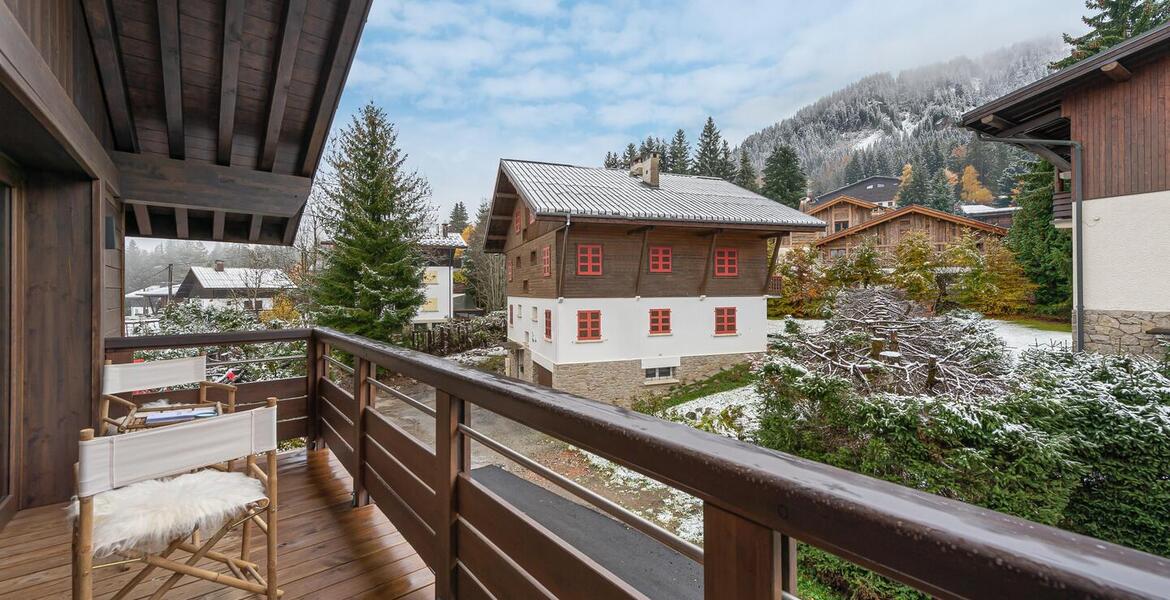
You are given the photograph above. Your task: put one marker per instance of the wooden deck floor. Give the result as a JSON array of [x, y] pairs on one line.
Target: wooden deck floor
[[327, 549]]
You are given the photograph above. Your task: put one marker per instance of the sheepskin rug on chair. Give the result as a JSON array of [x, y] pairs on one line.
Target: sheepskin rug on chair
[[149, 515]]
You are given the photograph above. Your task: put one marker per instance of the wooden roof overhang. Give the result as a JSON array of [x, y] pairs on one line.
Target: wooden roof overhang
[[912, 209], [220, 109], [1034, 111], [506, 196], [818, 208]]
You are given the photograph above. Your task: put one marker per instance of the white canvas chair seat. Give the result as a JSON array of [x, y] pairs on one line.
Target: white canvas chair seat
[[147, 516]]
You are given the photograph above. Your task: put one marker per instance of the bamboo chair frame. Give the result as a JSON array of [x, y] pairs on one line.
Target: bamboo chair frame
[[133, 410], [244, 574]]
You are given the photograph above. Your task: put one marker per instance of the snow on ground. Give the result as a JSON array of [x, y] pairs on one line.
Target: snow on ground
[[1016, 336], [746, 397], [477, 355], [867, 141]]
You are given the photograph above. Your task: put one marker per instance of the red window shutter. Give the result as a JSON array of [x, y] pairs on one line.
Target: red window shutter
[[659, 320], [660, 259], [726, 262], [589, 259], [725, 319], [546, 261], [589, 325], [547, 324]]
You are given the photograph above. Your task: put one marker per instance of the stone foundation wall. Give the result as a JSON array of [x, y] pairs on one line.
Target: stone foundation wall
[[621, 381], [1124, 332]]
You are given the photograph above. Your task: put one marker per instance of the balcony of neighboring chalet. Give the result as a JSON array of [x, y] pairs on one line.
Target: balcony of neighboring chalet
[[413, 485]]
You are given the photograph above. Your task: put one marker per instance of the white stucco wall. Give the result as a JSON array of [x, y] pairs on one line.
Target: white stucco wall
[[437, 288], [625, 328], [1127, 252]]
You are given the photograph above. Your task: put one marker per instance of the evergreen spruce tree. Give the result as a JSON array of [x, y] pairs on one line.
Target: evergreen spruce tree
[[1044, 251], [376, 210], [726, 162], [854, 171], [612, 161], [917, 189], [458, 219], [939, 194], [1114, 22], [630, 157], [678, 155], [709, 156], [903, 181], [784, 181], [745, 175]]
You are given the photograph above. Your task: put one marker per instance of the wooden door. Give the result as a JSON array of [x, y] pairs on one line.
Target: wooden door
[[543, 375]]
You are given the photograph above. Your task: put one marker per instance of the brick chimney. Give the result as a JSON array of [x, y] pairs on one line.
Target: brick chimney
[[647, 168], [805, 204], [219, 265], [445, 229]]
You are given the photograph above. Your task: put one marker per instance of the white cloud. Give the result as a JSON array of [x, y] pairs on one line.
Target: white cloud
[[539, 115]]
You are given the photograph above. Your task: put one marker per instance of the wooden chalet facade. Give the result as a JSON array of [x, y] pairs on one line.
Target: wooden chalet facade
[[197, 120], [881, 190], [889, 227], [1113, 107], [619, 285]]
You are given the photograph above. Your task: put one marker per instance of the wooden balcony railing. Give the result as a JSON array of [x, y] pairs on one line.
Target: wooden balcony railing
[[1062, 205], [757, 502]]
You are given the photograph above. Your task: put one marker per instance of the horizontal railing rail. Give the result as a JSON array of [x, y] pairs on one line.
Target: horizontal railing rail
[[942, 547], [757, 502]]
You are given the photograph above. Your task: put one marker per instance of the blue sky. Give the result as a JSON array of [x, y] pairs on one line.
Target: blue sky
[[470, 83]]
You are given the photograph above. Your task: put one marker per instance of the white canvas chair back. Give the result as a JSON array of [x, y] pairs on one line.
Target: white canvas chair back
[[110, 462], [133, 377]]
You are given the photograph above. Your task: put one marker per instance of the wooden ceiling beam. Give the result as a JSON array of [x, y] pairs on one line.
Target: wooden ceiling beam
[[290, 37], [341, 57], [217, 222], [997, 122], [149, 179], [99, 16], [182, 225], [229, 79], [142, 218], [290, 229], [254, 230], [1031, 124], [172, 75]]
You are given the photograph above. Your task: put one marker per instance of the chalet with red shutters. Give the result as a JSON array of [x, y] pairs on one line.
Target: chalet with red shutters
[[620, 283]]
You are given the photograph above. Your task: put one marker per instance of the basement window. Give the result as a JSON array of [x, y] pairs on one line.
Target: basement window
[[661, 374]]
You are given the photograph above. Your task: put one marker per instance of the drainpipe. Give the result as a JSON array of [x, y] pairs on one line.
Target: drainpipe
[[564, 249], [1078, 240]]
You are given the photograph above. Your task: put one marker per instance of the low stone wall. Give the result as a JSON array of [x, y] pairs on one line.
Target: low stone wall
[[1124, 332], [621, 381]]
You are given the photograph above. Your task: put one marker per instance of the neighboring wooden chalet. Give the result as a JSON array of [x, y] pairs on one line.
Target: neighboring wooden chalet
[[620, 282], [1001, 216], [246, 288], [438, 278], [878, 189], [1114, 105], [890, 226], [839, 214]]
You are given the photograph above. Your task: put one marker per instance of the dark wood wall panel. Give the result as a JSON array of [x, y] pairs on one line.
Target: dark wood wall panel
[[58, 332], [58, 30], [1125, 129]]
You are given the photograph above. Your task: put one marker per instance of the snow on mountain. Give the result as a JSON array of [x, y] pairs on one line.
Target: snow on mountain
[[890, 118]]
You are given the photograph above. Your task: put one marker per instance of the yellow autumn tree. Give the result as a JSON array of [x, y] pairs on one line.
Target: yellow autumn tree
[[972, 190], [907, 171]]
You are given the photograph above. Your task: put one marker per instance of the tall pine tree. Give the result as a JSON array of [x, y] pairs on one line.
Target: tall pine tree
[[939, 194], [726, 162], [1114, 22], [458, 219], [678, 155], [709, 155], [612, 161], [745, 175], [376, 211], [784, 181], [630, 157], [1044, 251], [916, 190]]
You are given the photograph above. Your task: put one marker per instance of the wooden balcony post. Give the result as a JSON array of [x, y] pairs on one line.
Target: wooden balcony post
[[452, 451], [362, 394], [314, 367], [323, 350], [743, 559]]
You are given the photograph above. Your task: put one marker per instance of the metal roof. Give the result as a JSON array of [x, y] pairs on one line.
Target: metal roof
[[236, 278], [553, 189], [980, 209], [434, 240]]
